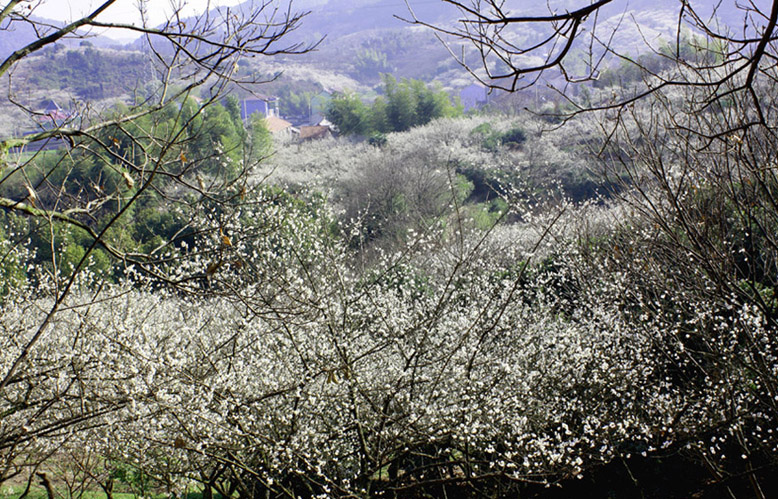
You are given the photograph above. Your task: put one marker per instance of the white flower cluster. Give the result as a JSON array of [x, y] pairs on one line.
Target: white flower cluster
[[295, 367]]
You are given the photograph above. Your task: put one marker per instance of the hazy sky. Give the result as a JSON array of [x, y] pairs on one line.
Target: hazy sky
[[123, 11]]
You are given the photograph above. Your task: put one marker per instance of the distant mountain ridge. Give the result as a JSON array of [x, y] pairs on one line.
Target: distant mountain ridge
[[338, 18], [364, 38], [16, 34]]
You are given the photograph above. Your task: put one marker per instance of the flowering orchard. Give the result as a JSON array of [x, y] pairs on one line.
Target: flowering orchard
[[428, 318], [467, 360]]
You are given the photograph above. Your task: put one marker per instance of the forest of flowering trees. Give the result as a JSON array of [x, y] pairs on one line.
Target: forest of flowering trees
[[494, 305]]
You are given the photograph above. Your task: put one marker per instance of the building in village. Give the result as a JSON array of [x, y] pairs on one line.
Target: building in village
[[52, 115], [316, 127], [266, 106], [279, 127], [314, 132]]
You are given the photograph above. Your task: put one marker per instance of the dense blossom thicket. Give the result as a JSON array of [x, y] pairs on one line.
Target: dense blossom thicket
[[474, 307], [275, 357]]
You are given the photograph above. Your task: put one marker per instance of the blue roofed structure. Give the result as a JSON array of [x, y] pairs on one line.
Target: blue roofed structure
[[265, 106]]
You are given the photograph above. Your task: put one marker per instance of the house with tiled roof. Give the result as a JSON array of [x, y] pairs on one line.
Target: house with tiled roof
[[314, 132], [53, 115], [279, 127]]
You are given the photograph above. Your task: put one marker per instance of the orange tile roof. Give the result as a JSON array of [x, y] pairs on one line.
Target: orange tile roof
[[276, 124], [314, 132]]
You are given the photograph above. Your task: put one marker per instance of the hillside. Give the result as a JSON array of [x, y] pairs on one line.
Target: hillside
[[73, 79], [360, 40], [364, 38], [16, 33]]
